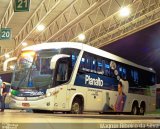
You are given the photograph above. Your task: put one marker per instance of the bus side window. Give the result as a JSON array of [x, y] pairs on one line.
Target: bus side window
[[135, 78], [152, 79], [62, 72], [112, 73], [122, 72], [87, 63], [73, 53], [93, 65], [74, 57], [103, 67], [99, 66], [82, 64], [36, 64], [45, 63], [107, 69]]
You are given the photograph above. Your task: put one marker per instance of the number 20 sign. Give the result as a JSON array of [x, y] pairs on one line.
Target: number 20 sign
[[5, 33], [21, 5]]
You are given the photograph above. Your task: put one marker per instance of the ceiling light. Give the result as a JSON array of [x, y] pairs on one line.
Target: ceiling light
[[12, 67], [7, 55], [151, 69], [24, 44], [40, 27], [125, 11], [81, 37]]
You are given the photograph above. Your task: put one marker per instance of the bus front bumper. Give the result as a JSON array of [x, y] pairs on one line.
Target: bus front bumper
[[46, 103]]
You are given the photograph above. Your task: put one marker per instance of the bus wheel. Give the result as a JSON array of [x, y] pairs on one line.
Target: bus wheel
[[134, 110], [36, 111], [77, 106], [142, 110]]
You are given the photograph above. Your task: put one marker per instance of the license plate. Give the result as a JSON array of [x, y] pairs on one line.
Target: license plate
[[25, 104]]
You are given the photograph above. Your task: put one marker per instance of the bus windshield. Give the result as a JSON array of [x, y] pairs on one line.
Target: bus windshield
[[33, 69], [24, 63]]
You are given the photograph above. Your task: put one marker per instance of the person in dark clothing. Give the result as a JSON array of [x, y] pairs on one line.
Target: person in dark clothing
[[4, 93]]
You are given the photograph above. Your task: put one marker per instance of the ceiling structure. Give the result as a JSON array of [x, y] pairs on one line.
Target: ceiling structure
[[64, 20], [148, 51]]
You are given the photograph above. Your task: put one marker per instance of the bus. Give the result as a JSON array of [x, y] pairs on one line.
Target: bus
[[75, 77]]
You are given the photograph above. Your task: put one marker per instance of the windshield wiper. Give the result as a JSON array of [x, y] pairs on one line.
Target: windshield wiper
[[14, 87], [24, 77]]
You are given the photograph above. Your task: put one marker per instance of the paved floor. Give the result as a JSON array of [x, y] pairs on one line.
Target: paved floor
[[16, 119]]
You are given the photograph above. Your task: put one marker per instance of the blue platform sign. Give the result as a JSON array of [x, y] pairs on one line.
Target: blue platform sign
[[5, 33], [22, 5]]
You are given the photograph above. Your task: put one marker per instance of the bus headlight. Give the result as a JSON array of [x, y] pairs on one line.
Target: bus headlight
[[9, 94], [48, 94]]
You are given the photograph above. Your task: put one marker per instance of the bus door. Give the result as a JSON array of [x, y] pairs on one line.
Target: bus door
[[62, 75], [94, 99]]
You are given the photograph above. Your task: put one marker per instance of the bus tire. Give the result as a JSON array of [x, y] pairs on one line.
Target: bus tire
[[36, 111], [135, 109], [142, 109], [77, 106], [66, 112]]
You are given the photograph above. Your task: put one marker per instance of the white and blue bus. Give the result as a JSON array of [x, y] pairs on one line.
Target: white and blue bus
[[75, 77]]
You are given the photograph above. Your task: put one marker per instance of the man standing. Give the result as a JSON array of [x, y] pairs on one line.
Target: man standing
[[3, 96], [0, 86], [1, 90]]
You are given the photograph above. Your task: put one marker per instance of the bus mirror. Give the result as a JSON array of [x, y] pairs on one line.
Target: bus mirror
[[6, 63], [55, 58]]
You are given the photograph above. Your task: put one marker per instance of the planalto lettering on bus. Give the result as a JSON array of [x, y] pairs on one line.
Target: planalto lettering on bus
[[93, 81]]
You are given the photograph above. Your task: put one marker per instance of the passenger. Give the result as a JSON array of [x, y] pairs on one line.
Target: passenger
[[4, 93], [0, 84], [1, 88], [121, 98]]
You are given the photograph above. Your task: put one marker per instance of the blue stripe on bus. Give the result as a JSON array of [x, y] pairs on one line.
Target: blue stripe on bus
[[108, 82]]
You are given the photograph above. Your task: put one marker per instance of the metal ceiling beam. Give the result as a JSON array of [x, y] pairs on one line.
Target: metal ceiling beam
[[4, 23], [55, 24], [146, 17], [100, 25], [38, 16], [79, 28], [60, 29], [7, 16]]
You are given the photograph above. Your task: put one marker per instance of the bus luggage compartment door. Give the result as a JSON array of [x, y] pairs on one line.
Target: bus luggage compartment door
[[106, 102], [94, 100]]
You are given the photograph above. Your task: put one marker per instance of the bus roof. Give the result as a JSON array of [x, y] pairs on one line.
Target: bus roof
[[87, 48]]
